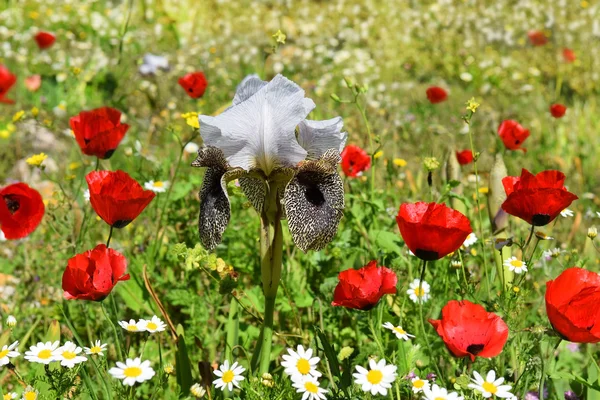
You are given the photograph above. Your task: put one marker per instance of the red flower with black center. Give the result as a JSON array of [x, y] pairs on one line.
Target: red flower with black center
[[436, 94], [432, 230], [21, 210], [92, 275], [513, 134], [464, 157], [537, 38], [44, 39], [468, 330], [569, 55], [116, 197], [194, 84], [572, 305], [98, 132], [537, 199], [354, 161], [362, 289], [7, 80], [558, 110]]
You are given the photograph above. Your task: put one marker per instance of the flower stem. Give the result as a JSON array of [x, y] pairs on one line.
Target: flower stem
[[421, 319], [109, 236], [117, 341], [232, 328]]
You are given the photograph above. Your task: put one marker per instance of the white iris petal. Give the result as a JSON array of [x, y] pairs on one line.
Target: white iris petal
[[316, 137]]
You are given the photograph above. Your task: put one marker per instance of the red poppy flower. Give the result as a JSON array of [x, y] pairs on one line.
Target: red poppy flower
[[362, 289], [21, 210], [537, 199], [569, 55], [572, 305], [436, 94], [432, 230], [7, 80], [558, 110], [354, 161], [468, 330], [44, 39], [537, 38], [33, 82], [98, 132], [116, 197], [194, 84], [92, 275], [464, 157], [513, 134]]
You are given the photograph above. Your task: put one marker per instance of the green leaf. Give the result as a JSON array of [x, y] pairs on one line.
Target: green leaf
[[329, 353], [183, 367], [390, 242]]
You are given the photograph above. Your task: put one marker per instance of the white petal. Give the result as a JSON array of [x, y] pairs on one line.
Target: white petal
[[316, 137], [247, 88]]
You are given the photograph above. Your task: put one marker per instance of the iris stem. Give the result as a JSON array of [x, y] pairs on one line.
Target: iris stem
[[109, 236]]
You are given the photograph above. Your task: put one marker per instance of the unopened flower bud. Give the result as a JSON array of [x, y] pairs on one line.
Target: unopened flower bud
[[592, 232], [11, 321]]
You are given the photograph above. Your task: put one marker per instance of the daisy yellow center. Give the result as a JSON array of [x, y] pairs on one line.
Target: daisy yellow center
[[158, 184], [419, 292], [7, 396], [311, 387], [399, 330], [3, 353], [303, 366], [489, 387], [517, 263], [374, 376], [30, 396], [68, 355], [45, 354], [228, 376], [151, 325], [132, 372], [96, 350], [132, 328], [440, 398], [419, 384]]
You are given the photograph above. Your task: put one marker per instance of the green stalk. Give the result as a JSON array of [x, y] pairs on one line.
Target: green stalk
[[232, 329], [421, 319]]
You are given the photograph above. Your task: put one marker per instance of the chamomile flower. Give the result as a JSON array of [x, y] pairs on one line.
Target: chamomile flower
[[8, 352], [378, 379], [566, 213], [552, 253], [11, 321], [490, 386], [417, 294], [153, 325], [228, 377], [133, 326], [516, 265], [132, 371], [30, 393], [437, 393], [9, 396], [470, 240], [169, 369], [97, 348], [418, 384], [43, 353], [197, 390], [309, 387], [68, 355], [157, 187], [398, 331], [300, 364]]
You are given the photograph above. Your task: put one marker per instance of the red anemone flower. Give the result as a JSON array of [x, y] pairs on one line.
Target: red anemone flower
[[21, 210], [354, 161], [558, 110], [362, 289], [537, 38], [436, 94], [572, 305], [537, 199], [92, 275], [468, 330], [98, 132], [44, 39], [116, 197], [464, 157], [513, 134], [7, 80], [194, 84], [432, 230], [569, 55]]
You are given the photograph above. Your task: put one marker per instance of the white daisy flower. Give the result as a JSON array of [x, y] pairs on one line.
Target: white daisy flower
[[552, 253], [566, 213], [153, 325], [398, 331], [97, 348], [133, 326], [68, 356], [418, 384], [30, 393], [2, 237], [86, 195], [132, 371], [309, 387], [376, 380], [456, 264], [11, 321], [152, 63], [470, 240], [157, 187], [415, 294], [229, 376], [8, 352], [197, 390], [9, 396], [515, 265], [437, 393], [300, 364], [490, 386], [43, 353]]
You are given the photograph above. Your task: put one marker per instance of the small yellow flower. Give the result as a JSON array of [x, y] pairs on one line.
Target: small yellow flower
[[4, 134], [36, 160], [484, 190], [18, 116], [279, 36], [378, 154], [212, 50], [34, 111], [400, 162], [191, 119], [516, 289], [472, 105], [473, 252], [75, 70], [584, 4], [34, 14], [169, 369], [74, 165]]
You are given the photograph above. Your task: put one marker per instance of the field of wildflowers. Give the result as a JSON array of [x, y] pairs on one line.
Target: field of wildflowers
[[277, 199]]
